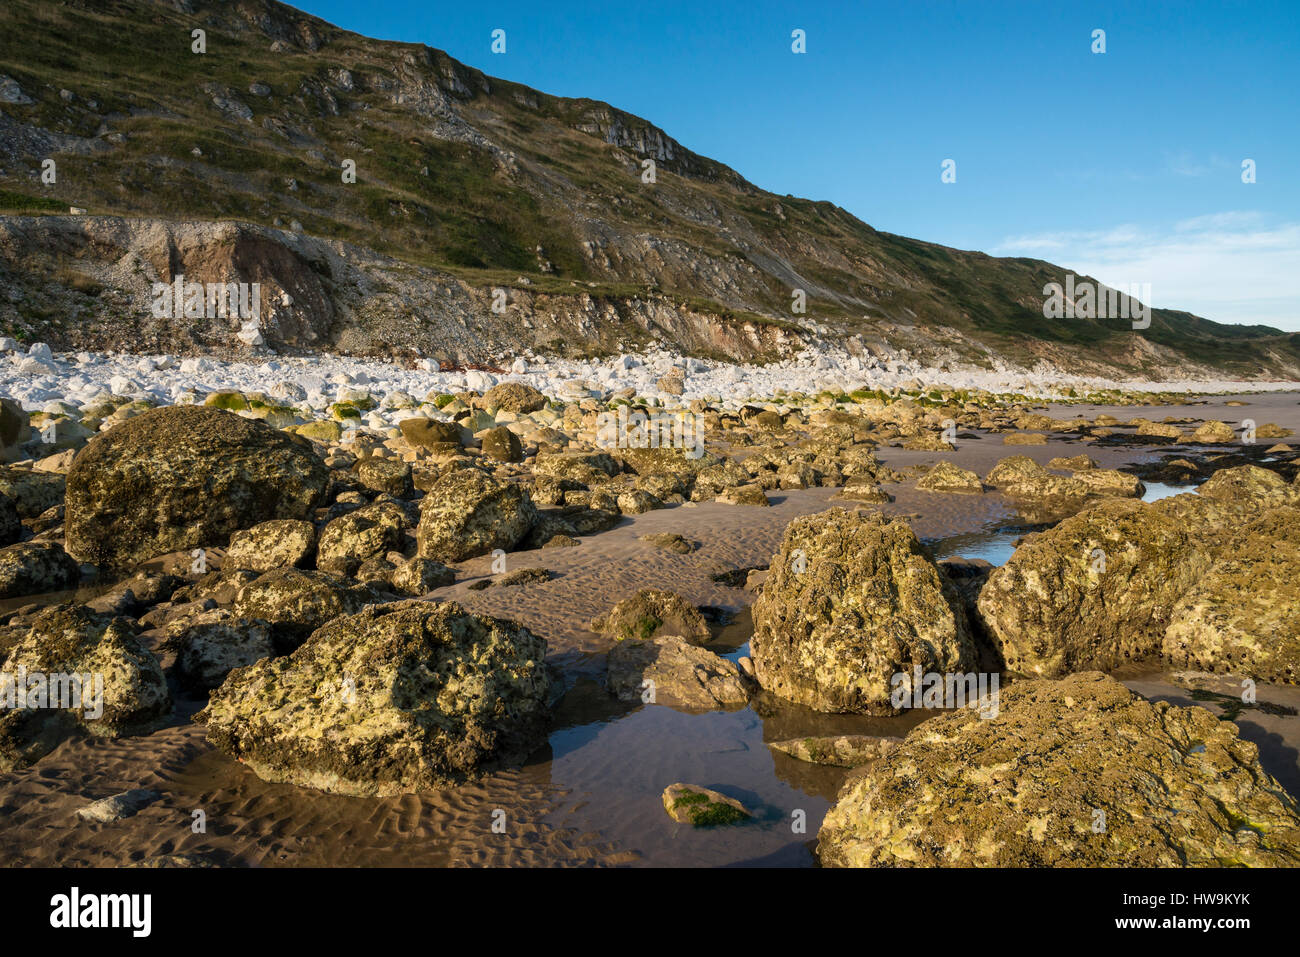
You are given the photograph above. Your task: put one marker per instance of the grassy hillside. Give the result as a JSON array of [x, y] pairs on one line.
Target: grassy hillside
[[494, 182]]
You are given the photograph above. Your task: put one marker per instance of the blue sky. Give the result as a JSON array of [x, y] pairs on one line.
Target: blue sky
[[1125, 165]]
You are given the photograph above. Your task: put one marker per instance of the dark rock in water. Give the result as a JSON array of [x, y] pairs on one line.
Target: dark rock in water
[[95, 675], [183, 477], [850, 601], [119, 806], [35, 568], [398, 698], [1080, 772]]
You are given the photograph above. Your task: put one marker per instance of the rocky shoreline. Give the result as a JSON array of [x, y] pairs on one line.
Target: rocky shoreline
[[303, 580]]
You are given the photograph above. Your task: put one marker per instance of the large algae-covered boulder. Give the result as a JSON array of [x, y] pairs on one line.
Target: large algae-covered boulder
[[467, 513], [1097, 590], [398, 698], [1078, 772], [1093, 592], [1243, 615], [852, 600], [82, 670], [185, 476], [35, 568]]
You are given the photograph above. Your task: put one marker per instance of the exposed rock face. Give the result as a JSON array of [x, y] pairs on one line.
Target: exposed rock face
[[279, 543], [297, 602], [850, 601], [34, 568], [671, 671], [65, 640], [399, 698], [181, 477], [652, 612], [1078, 772], [467, 513], [1243, 615], [946, 477]]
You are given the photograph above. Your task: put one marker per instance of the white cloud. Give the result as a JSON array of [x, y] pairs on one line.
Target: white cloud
[[1230, 267]]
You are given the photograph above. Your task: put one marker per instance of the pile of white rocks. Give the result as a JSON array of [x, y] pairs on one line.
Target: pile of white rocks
[[37, 377]]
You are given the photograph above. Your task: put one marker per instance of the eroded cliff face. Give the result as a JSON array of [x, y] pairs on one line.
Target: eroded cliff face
[[91, 283]]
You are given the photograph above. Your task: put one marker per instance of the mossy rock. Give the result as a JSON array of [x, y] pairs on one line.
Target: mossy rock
[[702, 807]]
